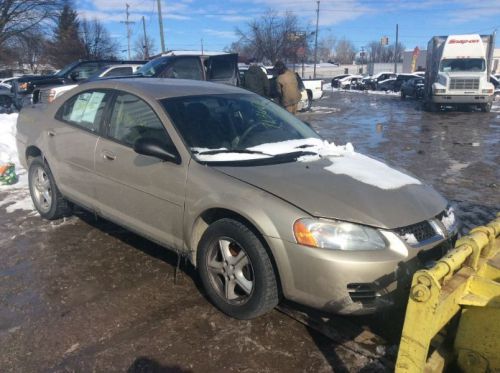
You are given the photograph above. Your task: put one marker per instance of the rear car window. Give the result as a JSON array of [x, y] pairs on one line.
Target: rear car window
[[84, 110], [119, 71]]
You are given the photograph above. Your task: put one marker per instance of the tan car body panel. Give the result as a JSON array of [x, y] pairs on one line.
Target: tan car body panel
[[167, 202]]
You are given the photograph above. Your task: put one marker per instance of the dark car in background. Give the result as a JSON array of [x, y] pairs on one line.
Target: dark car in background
[[413, 88], [75, 72], [401, 78]]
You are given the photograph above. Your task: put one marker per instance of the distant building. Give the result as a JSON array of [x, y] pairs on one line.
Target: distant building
[[408, 59], [420, 65]]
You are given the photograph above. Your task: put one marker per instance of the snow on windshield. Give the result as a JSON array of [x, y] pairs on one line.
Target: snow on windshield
[[343, 158]]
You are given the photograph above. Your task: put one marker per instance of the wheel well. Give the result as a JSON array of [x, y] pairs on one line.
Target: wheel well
[[212, 215], [32, 152]]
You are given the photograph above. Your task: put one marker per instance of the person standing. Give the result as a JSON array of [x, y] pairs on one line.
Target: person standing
[[287, 87], [255, 80]]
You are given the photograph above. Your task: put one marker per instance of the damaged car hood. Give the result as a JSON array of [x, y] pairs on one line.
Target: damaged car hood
[[352, 187]]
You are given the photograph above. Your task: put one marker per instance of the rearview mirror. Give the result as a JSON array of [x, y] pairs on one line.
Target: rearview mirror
[[156, 148]]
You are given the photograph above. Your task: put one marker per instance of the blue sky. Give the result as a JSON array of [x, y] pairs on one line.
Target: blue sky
[[186, 22]]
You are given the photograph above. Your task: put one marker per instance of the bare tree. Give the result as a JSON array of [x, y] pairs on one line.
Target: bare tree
[[32, 49], [345, 51], [96, 40], [326, 48], [271, 37], [144, 47], [19, 16], [381, 53]]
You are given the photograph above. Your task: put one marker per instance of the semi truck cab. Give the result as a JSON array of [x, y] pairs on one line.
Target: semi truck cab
[[458, 71]]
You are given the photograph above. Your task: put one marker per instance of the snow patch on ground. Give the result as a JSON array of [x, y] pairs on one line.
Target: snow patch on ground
[[8, 149], [20, 199]]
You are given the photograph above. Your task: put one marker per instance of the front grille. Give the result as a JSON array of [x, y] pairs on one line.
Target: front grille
[[363, 293], [464, 83], [421, 231]]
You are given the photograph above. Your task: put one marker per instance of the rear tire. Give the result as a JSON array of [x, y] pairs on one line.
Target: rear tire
[[45, 195], [236, 270]]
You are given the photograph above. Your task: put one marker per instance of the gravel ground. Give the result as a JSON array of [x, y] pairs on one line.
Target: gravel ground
[[82, 294]]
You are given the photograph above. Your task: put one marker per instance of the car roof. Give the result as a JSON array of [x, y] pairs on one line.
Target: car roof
[[159, 88]]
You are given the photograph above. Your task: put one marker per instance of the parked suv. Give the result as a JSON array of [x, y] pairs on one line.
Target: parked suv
[[262, 206], [220, 68], [75, 72]]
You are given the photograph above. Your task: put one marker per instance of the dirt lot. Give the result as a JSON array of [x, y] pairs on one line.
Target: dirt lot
[[85, 295]]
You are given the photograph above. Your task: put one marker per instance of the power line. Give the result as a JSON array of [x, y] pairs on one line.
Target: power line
[[127, 25]]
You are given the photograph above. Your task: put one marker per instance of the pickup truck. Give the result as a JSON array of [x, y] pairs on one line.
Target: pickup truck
[[75, 72]]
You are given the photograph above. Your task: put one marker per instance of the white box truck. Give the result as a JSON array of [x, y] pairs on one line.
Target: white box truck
[[458, 71]]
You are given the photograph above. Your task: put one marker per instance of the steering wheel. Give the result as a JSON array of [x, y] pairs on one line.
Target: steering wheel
[[245, 134]]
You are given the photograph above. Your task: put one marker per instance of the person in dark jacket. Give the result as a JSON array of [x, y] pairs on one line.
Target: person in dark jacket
[[255, 80], [287, 86]]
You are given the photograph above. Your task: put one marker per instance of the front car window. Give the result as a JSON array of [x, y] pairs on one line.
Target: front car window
[[234, 123], [463, 65], [132, 118], [84, 110]]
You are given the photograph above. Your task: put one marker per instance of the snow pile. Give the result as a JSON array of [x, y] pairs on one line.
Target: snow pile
[[448, 220], [370, 171], [410, 239], [344, 160], [19, 198]]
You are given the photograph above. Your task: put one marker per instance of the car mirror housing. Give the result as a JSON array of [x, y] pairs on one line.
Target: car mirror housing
[[156, 148]]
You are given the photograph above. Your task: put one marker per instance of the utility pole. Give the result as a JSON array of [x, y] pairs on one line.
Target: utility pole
[[160, 19], [316, 40], [146, 47], [127, 25], [202, 46], [396, 50]]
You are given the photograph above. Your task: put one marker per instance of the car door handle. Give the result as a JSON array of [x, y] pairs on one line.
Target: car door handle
[[108, 155], [51, 133]]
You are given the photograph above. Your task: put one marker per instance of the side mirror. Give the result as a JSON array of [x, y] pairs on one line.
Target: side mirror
[[156, 148]]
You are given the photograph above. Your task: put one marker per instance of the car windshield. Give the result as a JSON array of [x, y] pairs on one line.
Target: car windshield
[[463, 65], [237, 127], [153, 67]]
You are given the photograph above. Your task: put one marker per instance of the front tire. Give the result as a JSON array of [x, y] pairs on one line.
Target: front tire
[[236, 270], [486, 108], [45, 195]]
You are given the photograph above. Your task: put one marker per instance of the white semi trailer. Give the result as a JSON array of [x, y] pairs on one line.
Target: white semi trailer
[[458, 71]]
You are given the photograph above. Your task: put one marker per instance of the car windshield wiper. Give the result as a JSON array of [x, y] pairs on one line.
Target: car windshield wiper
[[293, 155], [218, 151]]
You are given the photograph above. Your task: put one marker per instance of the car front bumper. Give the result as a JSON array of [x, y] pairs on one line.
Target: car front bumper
[[354, 283], [462, 99]]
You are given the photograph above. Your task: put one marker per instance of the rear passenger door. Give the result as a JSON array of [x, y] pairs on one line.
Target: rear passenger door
[[140, 192], [71, 142], [223, 69]]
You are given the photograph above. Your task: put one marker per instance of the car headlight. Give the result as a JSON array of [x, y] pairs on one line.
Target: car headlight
[[337, 235]]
